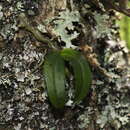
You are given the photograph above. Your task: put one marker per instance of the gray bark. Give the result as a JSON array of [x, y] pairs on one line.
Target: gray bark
[[27, 28]]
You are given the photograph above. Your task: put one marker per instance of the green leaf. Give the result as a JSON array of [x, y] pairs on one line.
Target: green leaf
[[54, 70], [82, 73]]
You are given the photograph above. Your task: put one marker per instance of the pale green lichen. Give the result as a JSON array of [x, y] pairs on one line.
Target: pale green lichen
[[84, 121], [20, 6], [64, 22], [1, 13], [110, 115], [42, 28], [102, 24]]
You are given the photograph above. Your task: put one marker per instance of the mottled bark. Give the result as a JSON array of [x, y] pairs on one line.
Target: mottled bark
[[24, 42]]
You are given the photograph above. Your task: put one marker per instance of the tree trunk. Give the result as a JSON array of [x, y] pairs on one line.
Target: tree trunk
[[31, 29]]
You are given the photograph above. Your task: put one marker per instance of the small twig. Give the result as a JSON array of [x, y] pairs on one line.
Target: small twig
[[91, 58], [121, 7], [24, 23], [4, 76]]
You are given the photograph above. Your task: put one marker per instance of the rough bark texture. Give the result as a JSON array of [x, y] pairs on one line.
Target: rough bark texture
[[26, 28]]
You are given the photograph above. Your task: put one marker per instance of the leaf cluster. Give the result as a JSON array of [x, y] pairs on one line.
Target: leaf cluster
[[54, 70]]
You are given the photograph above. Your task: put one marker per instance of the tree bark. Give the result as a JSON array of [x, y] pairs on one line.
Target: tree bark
[[28, 31]]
